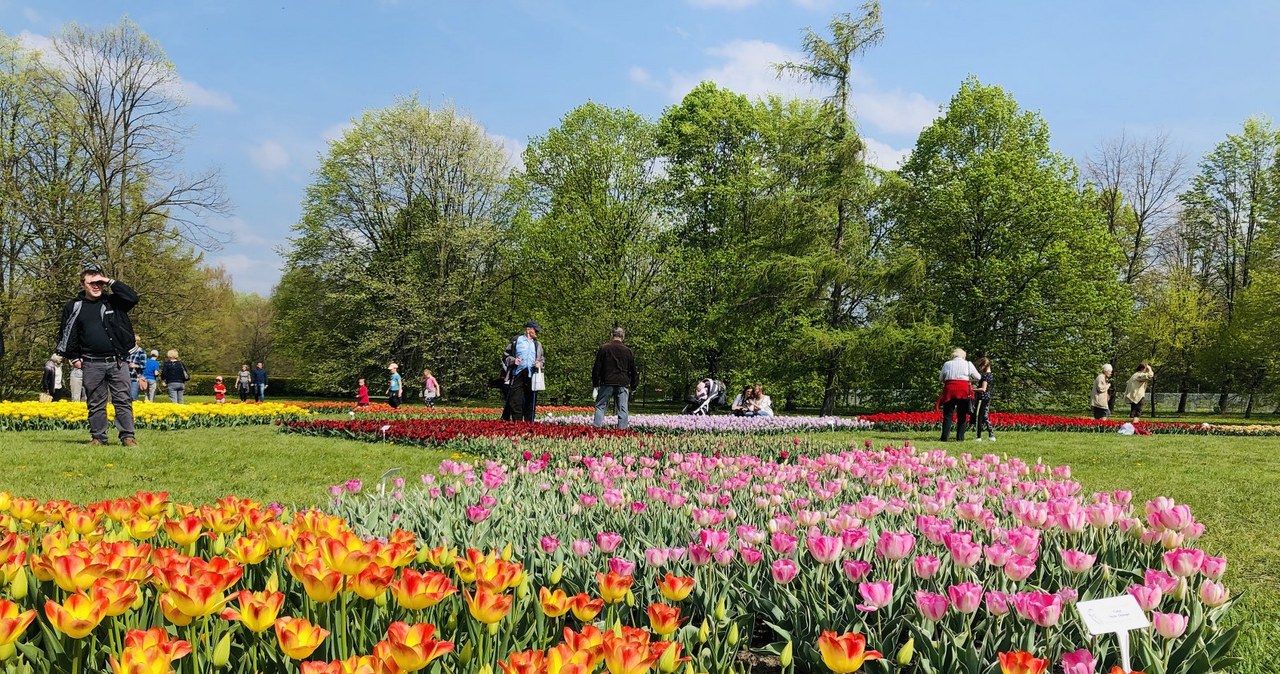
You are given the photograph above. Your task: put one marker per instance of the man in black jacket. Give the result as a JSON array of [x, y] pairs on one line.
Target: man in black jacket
[[613, 375], [95, 334]]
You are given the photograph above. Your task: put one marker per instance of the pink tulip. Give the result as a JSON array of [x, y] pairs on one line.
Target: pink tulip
[[997, 602], [966, 597], [875, 595], [965, 554], [1024, 540], [854, 537], [588, 500], [894, 546], [925, 566], [1078, 662], [824, 549], [336, 490], [1019, 568], [998, 554], [714, 540], [932, 606], [724, 557], [1073, 522], [784, 571], [1169, 625], [751, 535], [1076, 561], [549, 544], [782, 543], [655, 556], [622, 567], [856, 569], [608, 541], [1183, 562], [699, 555], [1160, 579], [1213, 594], [1148, 597], [581, 547], [639, 506], [1041, 608], [488, 501], [477, 513], [750, 555]]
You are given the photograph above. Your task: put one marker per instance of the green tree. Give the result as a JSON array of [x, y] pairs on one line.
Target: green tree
[[1019, 263], [397, 253]]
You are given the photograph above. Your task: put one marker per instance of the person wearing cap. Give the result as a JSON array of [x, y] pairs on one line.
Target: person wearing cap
[[522, 357], [1100, 397], [151, 372], [219, 390], [96, 335], [137, 361]]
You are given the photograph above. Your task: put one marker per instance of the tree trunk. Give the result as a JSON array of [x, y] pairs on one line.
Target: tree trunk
[[829, 390], [1248, 407], [1152, 390], [1223, 394], [1182, 390]]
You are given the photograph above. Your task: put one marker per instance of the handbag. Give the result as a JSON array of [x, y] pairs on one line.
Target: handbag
[[538, 382], [46, 398], [142, 384]]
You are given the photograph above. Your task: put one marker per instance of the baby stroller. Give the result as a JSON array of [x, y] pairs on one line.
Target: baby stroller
[[708, 394]]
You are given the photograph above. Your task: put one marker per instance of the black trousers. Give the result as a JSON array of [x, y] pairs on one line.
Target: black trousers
[[393, 399], [981, 417], [519, 405], [960, 409]]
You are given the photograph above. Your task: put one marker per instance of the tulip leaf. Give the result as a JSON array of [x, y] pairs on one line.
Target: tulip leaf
[[780, 631]]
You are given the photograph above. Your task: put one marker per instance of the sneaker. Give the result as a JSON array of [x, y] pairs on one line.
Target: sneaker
[[979, 439], [992, 438], [96, 443], [129, 442]]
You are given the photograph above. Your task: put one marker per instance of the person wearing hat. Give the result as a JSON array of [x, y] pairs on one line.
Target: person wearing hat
[[520, 360], [151, 372], [219, 390], [95, 333]]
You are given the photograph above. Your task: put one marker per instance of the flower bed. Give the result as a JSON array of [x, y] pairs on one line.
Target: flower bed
[[956, 559], [22, 416], [413, 411], [687, 423], [927, 421], [436, 432]]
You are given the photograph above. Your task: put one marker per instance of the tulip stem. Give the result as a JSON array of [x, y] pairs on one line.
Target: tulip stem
[[79, 655]]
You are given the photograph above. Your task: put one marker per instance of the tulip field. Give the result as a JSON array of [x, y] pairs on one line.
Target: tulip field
[[818, 546]]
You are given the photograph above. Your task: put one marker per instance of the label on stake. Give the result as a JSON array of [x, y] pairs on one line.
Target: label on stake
[[1114, 614]]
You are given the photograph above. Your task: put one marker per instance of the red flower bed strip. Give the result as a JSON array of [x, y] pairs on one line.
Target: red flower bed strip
[[440, 431], [913, 421]]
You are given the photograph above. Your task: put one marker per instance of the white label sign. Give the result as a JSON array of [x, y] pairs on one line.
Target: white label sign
[[1113, 614]]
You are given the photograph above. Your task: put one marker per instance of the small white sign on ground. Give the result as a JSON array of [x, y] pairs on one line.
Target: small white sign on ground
[[1114, 614]]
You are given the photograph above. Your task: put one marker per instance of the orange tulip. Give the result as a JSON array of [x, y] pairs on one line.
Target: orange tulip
[[675, 588], [120, 566], [1021, 662], [249, 550], [257, 518], [487, 607], [141, 528], [169, 609], [555, 603], [664, 619], [183, 532], [27, 510], [392, 553], [345, 553], [12, 544], [77, 616], [80, 521], [320, 582], [356, 664], [122, 509], [412, 648], [845, 653], [590, 640], [466, 565], [13, 565], [614, 586], [298, 638], [1117, 669], [628, 653], [152, 503], [220, 520], [74, 573], [278, 536], [157, 638], [585, 608], [441, 557], [498, 574], [416, 591], [119, 595], [196, 597], [524, 662], [372, 581], [13, 621], [258, 610], [564, 659]]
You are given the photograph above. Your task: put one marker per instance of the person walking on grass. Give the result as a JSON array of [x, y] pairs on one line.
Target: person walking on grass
[[259, 379], [1135, 390], [981, 419], [957, 377], [244, 382], [613, 375], [137, 361], [430, 389], [52, 385], [362, 394], [520, 360], [95, 334], [1100, 396], [175, 376], [396, 386], [151, 373]]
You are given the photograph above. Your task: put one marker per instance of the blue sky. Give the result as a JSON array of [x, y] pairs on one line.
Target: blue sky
[[270, 81]]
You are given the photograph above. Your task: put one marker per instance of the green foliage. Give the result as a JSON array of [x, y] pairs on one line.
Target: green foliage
[[1018, 261]]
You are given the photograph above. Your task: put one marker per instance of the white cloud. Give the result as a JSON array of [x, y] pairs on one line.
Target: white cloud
[[205, 98], [814, 4], [242, 233], [884, 155], [336, 131], [514, 148], [723, 4], [747, 67], [639, 75], [36, 42], [31, 15], [251, 275], [269, 156]]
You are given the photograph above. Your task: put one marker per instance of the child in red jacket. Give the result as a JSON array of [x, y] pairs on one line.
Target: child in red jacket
[[362, 395], [219, 390]]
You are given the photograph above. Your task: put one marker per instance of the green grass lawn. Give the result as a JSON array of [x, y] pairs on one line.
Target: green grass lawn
[[1230, 483]]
